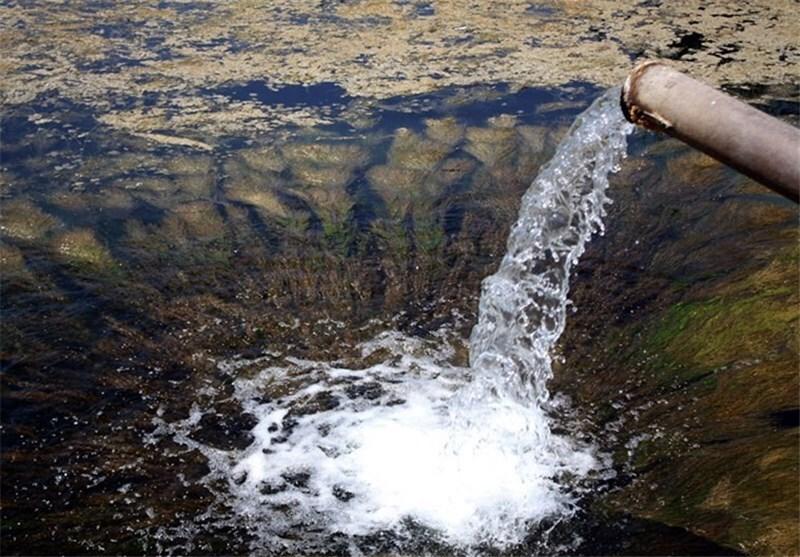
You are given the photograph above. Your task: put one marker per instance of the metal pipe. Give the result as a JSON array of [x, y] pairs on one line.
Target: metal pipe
[[764, 148]]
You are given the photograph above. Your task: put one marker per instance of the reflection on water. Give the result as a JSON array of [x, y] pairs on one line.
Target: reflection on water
[[131, 267]]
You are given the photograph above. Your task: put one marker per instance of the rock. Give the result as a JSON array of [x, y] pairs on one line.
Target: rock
[[225, 431], [370, 390], [298, 479], [342, 494]]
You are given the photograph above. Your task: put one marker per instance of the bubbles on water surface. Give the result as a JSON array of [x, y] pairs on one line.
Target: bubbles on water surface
[[357, 451], [413, 442]]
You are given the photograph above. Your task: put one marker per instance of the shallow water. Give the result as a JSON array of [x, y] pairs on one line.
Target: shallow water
[[165, 305]]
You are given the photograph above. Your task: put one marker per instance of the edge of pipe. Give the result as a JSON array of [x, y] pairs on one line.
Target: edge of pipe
[[634, 113]]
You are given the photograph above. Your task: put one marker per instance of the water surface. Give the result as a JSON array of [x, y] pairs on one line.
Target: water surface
[[165, 304]]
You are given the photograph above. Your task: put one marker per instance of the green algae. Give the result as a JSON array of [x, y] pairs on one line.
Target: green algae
[[732, 357], [757, 314]]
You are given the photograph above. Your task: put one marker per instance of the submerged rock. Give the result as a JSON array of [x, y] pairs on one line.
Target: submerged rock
[[695, 169], [692, 291], [414, 170], [454, 170], [323, 176], [121, 164], [157, 190], [503, 121], [6, 182], [170, 182], [321, 173], [264, 198], [535, 138], [330, 202], [396, 185], [226, 431], [106, 198], [190, 165], [193, 175]]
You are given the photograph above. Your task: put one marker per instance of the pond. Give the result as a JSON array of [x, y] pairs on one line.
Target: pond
[[178, 313]]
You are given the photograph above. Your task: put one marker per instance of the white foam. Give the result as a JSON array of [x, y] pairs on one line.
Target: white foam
[[475, 477]]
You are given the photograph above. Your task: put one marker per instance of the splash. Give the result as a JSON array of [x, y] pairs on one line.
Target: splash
[[414, 445]]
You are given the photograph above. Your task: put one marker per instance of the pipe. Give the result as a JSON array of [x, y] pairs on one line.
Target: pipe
[[764, 148]]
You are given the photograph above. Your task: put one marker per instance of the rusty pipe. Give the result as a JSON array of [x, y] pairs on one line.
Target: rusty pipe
[[764, 148]]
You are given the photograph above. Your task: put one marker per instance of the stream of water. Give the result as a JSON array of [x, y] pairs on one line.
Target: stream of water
[[408, 443]]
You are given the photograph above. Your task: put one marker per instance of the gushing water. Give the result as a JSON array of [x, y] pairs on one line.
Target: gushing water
[[523, 305], [413, 443]]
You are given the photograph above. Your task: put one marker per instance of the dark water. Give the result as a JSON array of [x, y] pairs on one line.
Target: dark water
[[131, 269]]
